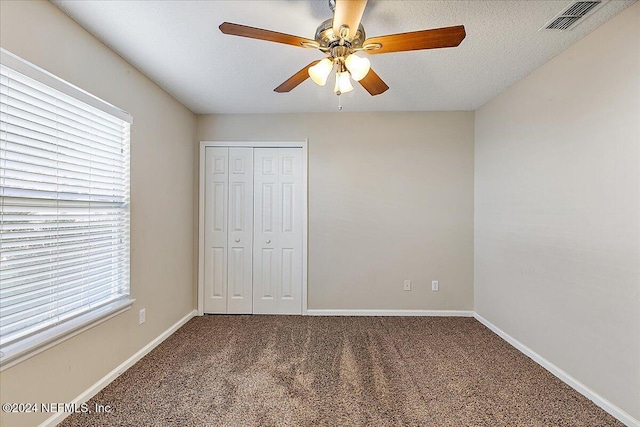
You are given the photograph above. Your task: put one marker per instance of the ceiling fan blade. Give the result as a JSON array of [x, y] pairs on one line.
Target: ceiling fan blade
[[416, 40], [268, 35], [296, 79], [373, 83], [349, 13]]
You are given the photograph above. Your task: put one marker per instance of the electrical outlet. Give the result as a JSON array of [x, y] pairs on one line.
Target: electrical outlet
[[407, 285], [142, 316], [434, 285]]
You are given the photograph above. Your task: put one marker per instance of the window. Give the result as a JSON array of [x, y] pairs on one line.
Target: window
[[64, 209]]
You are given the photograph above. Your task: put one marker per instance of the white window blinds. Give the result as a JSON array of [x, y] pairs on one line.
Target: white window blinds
[[64, 205]]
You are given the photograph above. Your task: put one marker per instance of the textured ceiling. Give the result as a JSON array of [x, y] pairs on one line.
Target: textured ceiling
[[179, 46]]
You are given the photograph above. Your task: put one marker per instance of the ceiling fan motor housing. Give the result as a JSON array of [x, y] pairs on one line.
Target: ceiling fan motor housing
[[328, 39]]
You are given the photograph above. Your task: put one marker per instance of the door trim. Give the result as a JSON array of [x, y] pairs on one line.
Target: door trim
[[305, 207]]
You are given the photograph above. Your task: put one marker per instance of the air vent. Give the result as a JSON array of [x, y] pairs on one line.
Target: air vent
[[571, 15]]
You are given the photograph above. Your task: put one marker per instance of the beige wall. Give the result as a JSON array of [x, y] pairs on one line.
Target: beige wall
[[390, 198], [162, 214], [557, 211]]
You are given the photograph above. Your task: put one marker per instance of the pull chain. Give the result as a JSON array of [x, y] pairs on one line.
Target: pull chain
[[339, 104]]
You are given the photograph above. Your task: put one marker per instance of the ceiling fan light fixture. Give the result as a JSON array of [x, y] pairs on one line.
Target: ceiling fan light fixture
[[343, 83], [319, 73], [357, 66]]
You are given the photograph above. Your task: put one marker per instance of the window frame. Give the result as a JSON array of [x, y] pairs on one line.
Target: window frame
[[24, 348]]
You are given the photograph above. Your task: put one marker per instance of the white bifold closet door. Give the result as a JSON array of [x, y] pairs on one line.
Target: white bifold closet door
[[277, 256], [228, 230], [253, 230]]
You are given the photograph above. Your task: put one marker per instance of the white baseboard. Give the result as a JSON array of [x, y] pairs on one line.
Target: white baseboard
[[102, 383], [439, 313], [609, 407]]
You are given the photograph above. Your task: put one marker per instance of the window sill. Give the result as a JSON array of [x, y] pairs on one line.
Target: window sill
[[24, 349]]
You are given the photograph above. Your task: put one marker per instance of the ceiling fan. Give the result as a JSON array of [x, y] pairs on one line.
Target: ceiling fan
[[340, 38]]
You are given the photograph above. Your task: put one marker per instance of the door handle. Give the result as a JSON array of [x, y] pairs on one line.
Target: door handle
[[237, 240], [268, 241]]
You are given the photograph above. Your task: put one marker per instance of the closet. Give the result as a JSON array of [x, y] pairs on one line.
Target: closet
[[252, 211]]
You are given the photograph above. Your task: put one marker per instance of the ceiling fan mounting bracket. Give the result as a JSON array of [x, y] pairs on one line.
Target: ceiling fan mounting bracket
[[370, 46]]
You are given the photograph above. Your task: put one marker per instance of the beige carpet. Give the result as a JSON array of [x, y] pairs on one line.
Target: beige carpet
[[338, 371]]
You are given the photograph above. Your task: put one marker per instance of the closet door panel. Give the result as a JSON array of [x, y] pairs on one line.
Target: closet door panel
[[240, 235], [290, 227], [266, 224], [215, 232]]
